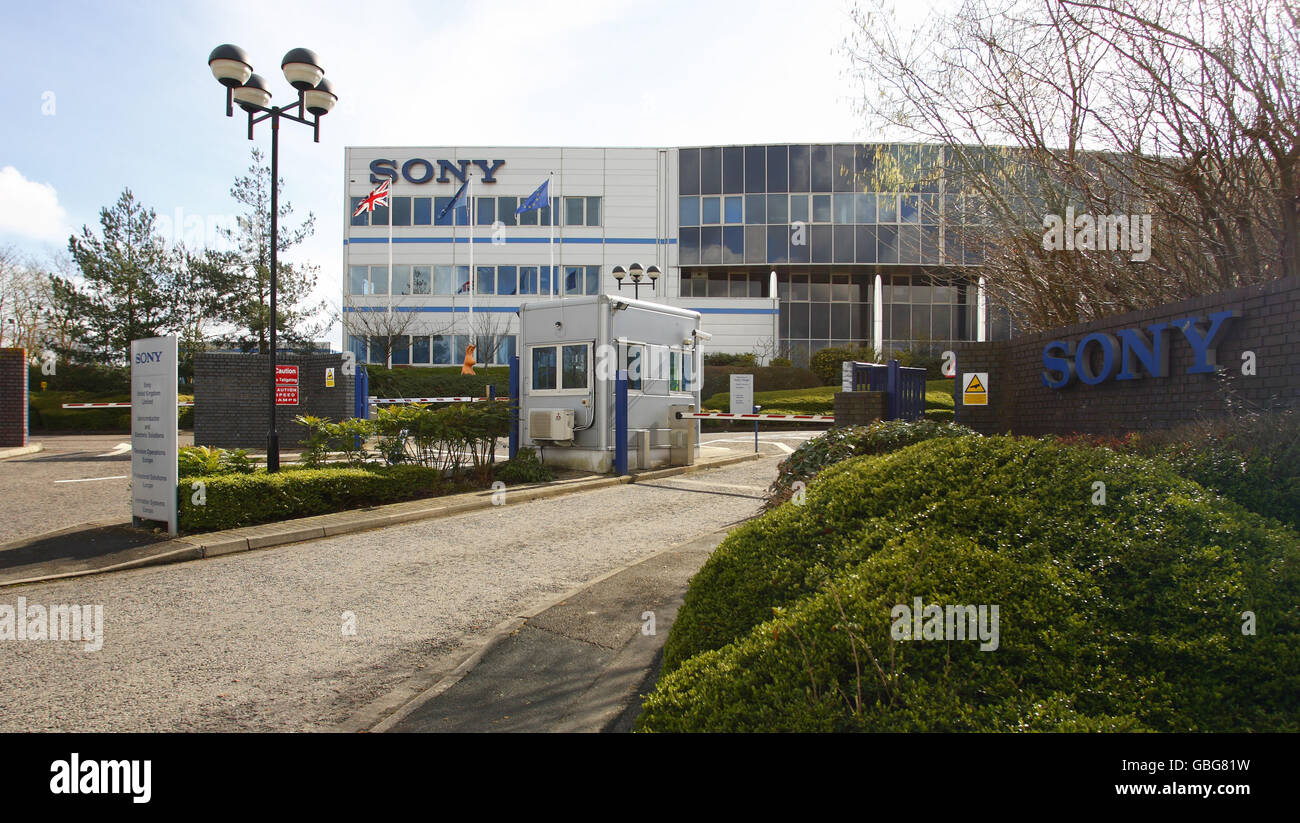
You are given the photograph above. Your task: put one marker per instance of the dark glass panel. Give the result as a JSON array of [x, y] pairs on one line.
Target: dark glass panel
[[778, 245], [823, 171], [800, 172], [733, 240], [711, 244], [689, 171], [755, 168], [842, 166], [688, 246], [778, 173], [843, 244], [711, 171], [733, 170], [755, 244], [821, 244]]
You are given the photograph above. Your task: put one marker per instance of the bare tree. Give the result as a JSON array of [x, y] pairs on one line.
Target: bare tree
[[1185, 110], [384, 327], [489, 331], [25, 300]]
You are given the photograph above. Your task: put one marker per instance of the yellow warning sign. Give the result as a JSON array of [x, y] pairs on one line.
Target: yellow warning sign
[[329, 378], [975, 389]]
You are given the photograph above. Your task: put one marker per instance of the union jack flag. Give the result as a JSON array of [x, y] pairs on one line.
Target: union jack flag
[[378, 197]]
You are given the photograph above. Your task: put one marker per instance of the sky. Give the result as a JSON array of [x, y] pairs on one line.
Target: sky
[[98, 97]]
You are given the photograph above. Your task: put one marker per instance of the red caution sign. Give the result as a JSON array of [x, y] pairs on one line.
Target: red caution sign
[[286, 385]]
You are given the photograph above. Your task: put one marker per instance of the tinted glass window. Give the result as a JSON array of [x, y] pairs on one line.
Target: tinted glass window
[[688, 246], [401, 350], [711, 171], [800, 173], [401, 211], [755, 168], [420, 349], [401, 279], [778, 173], [487, 280], [778, 245], [593, 211], [575, 367], [362, 219], [442, 280], [733, 238], [798, 208], [822, 171], [755, 208], [573, 211], [843, 205], [544, 368], [441, 348], [821, 208], [689, 171], [506, 280], [688, 211], [379, 217], [843, 244], [711, 244], [734, 209], [439, 207], [506, 209], [711, 211], [423, 211], [755, 244], [733, 170], [842, 166], [358, 280], [421, 279], [778, 208]]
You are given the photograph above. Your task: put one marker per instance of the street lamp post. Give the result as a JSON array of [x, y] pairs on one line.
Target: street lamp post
[[302, 69], [637, 273]]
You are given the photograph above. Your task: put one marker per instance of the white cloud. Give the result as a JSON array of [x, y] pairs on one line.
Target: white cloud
[[30, 209]]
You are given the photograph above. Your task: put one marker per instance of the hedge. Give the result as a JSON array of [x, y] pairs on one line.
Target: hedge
[[1123, 616], [46, 412], [234, 500], [717, 379], [437, 381]]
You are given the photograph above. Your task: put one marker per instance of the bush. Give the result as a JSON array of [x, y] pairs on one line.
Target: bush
[[438, 381], [781, 362], [827, 364], [198, 461], [72, 377], [717, 379], [725, 359], [234, 500], [838, 444], [524, 468], [1124, 616]]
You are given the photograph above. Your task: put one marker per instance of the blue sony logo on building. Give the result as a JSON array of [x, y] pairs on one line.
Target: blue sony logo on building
[[1064, 362], [418, 170]]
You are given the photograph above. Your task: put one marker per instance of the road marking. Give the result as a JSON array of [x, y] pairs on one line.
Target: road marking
[[120, 448], [92, 479]]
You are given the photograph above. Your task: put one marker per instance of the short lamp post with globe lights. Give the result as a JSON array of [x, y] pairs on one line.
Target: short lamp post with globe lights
[[301, 67], [636, 272]]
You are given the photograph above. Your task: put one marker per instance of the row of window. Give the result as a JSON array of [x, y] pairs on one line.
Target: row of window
[[841, 209], [916, 245], [811, 168], [565, 368], [451, 280], [429, 211], [816, 320], [432, 349], [724, 284]]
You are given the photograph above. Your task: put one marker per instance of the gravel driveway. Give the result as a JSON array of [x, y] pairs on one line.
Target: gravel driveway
[[254, 641]]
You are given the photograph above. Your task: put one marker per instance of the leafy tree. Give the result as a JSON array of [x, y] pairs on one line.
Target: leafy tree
[[124, 293], [241, 279]]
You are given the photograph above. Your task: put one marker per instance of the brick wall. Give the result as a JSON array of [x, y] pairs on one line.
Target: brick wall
[[1268, 324], [13, 397], [858, 408], [231, 396]]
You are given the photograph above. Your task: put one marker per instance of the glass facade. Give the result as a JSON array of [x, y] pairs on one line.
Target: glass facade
[[829, 218]]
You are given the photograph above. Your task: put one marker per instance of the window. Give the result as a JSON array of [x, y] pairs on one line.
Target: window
[[442, 280], [506, 279], [487, 280], [401, 211], [506, 210], [573, 211], [462, 280], [401, 279], [688, 211], [358, 277], [422, 208], [688, 371], [575, 367], [441, 349], [712, 211], [821, 208], [401, 350], [734, 209], [593, 211], [357, 345], [755, 209], [528, 280], [675, 373], [634, 362], [378, 280], [420, 349], [362, 219], [420, 280], [487, 210], [575, 280], [798, 208], [379, 217], [778, 208]]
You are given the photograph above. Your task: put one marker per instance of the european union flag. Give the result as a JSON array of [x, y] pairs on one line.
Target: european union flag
[[539, 199], [455, 201]]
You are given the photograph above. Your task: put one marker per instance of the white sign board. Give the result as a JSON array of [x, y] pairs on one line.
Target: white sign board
[[742, 394], [153, 430]]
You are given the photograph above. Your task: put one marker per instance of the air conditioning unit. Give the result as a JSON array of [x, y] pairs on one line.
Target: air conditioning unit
[[550, 424]]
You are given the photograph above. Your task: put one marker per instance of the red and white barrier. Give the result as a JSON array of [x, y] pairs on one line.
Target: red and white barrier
[[380, 401], [814, 418], [113, 405]]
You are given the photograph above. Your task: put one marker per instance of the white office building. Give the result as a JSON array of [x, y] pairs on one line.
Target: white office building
[[851, 265]]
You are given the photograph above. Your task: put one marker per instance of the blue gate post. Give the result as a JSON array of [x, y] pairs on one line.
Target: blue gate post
[[361, 397], [893, 385], [514, 406], [620, 422]]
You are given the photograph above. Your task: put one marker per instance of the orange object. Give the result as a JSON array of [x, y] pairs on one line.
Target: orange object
[[468, 367]]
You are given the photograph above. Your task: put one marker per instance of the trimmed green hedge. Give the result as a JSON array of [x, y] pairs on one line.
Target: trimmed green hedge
[[46, 412], [437, 381], [1120, 616], [717, 379], [234, 500]]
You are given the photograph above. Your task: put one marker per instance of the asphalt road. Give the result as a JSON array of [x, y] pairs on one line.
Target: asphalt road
[[81, 479], [255, 641]]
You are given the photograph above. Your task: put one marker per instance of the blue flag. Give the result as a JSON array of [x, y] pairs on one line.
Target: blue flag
[[539, 199], [455, 201]]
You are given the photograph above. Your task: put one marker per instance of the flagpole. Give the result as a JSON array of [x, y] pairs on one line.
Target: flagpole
[[473, 273], [554, 276], [389, 364]]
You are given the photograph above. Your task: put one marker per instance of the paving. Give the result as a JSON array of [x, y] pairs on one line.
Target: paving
[[260, 640]]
